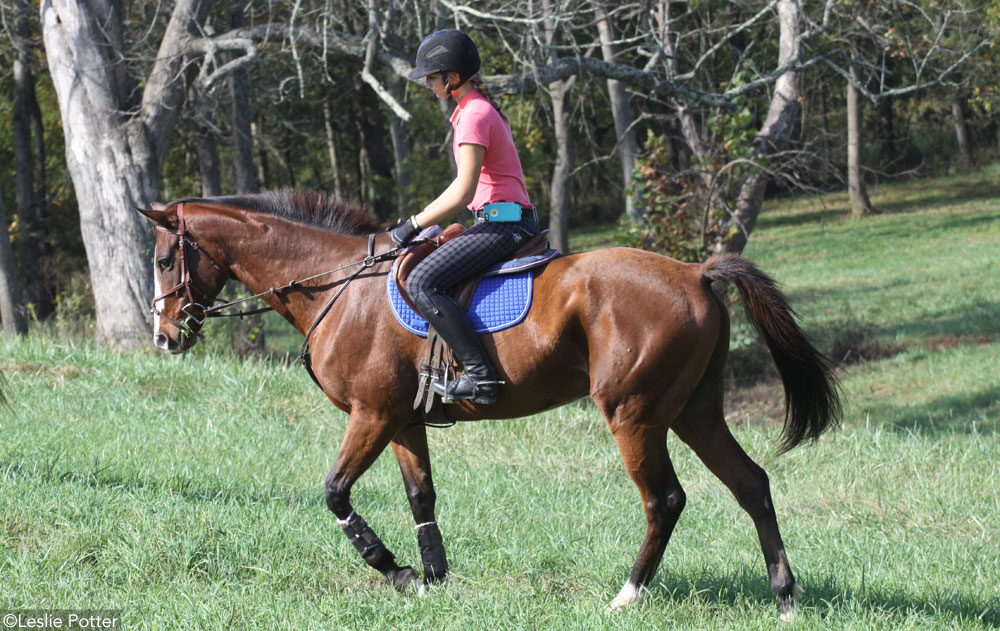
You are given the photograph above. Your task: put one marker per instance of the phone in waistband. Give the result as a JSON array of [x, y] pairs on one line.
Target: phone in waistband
[[502, 211]]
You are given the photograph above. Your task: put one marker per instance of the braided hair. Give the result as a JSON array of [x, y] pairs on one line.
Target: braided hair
[[478, 84]]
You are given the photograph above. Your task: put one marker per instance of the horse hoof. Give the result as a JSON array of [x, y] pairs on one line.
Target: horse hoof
[[628, 595], [429, 584], [404, 579], [787, 604]]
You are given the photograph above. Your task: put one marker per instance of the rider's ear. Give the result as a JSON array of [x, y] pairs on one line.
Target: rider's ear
[[159, 215]]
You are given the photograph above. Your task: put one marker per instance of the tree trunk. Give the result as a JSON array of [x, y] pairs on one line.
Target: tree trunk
[[689, 127], [888, 132], [559, 188], [263, 164], [28, 208], [115, 152], [246, 335], [559, 92], [400, 134], [11, 309], [621, 111], [331, 144], [239, 91], [860, 204], [826, 157], [782, 117], [366, 186], [961, 130], [375, 161], [205, 142], [41, 188], [688, 124]]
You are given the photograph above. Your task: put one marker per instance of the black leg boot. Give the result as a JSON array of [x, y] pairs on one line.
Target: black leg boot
[[478, 381]]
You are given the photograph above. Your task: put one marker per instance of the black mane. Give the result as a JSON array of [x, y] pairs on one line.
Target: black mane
[[313, 208]]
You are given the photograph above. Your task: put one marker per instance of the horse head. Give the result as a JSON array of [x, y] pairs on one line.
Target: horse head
[[186, 279]]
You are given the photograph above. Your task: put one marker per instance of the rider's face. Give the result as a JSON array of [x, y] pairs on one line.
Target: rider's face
[[435, 83]]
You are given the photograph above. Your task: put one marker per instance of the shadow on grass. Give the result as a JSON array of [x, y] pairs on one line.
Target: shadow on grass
[[99, 479], [834, 212], [966, 322], [753, 384], [953, 193], [949, 415], [976, 319], [828, 595]]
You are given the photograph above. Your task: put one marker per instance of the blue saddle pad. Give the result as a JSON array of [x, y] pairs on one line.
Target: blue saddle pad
[[500, 302]]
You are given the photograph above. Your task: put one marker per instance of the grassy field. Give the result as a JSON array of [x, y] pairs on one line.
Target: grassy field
[[186, 491]]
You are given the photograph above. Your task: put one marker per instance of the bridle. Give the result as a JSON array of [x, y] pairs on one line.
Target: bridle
[[192, 308]]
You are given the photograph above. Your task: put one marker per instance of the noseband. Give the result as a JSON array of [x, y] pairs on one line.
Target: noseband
[[192, 309]]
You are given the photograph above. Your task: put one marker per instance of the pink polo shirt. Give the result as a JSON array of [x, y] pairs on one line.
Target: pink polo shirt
[[501, 179]]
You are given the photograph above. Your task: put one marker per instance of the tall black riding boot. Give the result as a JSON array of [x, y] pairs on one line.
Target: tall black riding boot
[[478, 381]]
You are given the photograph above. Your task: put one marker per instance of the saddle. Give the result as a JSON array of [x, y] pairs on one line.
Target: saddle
[[439, 364], [534, 252]]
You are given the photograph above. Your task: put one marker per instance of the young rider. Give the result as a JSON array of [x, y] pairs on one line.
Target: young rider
[[489, 171]]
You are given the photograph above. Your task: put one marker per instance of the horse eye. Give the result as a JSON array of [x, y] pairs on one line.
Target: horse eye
[[165, 263]]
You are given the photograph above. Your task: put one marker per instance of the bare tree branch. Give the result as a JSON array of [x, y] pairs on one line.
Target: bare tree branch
[[165, 90], [295, 48], [533, 78], [366, 72], [211, 72], [729, 34]]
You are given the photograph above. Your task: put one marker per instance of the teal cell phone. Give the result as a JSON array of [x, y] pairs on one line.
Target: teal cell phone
[[502, 211]]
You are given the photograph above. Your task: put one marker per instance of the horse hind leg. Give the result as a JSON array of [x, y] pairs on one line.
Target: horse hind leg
[[644, 452], [709, 436]]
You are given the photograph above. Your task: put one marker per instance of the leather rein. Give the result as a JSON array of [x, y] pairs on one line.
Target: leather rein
[[192, 309]]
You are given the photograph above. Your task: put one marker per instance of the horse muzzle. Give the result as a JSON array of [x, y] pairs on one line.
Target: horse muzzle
[[187, 329], [164, 342], [167, 343]]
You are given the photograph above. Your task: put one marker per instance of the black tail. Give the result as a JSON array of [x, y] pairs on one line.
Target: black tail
[[812, 399]]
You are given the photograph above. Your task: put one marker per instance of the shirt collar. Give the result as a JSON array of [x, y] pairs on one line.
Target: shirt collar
[[472, 95]]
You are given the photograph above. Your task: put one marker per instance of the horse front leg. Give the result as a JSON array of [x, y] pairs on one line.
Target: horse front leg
[[364, 440], [410, 447]]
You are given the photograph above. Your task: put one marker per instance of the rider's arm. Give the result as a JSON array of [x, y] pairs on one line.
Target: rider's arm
[[460, 192]]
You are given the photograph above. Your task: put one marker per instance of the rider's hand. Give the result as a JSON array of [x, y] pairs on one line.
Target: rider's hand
[[404, 232]]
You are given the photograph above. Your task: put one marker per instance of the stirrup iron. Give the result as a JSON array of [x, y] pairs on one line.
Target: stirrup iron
[[479, 394]]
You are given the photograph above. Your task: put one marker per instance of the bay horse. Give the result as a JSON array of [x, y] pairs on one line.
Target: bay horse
[[645, 336]]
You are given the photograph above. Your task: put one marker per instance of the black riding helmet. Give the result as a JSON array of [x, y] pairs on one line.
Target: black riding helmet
[[448, 50]]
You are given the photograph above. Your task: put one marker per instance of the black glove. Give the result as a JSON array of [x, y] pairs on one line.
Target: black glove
[[404, 232]]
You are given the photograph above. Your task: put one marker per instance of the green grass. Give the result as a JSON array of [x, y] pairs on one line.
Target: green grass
[[186, 491]]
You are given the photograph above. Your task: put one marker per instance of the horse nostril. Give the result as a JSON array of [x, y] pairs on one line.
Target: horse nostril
[[162, 341]]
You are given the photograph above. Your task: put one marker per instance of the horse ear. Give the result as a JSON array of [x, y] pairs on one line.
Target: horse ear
[[159, 215]]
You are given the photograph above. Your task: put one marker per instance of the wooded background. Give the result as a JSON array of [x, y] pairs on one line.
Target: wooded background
[[673, 121]]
